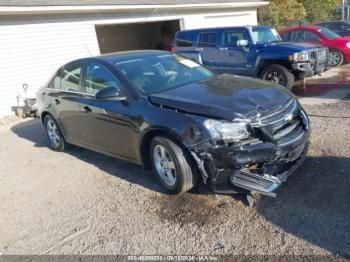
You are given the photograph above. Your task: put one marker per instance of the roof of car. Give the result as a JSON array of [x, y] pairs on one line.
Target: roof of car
[[223, 28], [334, 21], [313, 27], [116, 57], [124, 55]]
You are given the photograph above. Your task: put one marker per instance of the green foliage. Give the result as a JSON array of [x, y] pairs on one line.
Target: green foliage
[[320, 10], [284, 13], [281, 13]]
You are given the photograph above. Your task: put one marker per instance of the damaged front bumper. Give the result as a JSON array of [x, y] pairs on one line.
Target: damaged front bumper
[[317, 64], [262, 163]]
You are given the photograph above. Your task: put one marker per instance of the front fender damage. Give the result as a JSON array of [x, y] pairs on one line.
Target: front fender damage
[[246, 167], [277, 147]]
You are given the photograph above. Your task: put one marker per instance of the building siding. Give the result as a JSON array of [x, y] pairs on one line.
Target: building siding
[[32, 49]]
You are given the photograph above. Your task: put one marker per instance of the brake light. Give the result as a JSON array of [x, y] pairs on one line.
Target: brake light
[[170, 48]]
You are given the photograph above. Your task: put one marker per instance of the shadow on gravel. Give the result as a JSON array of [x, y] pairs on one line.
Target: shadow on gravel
[[314, 204], [33, 130]]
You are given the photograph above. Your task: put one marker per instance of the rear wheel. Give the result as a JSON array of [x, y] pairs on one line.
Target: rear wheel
[[172, 165], [21, 112], [336, 58], [53, 132], [278, 74]]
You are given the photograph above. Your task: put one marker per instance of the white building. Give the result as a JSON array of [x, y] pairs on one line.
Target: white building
[[38, 36]]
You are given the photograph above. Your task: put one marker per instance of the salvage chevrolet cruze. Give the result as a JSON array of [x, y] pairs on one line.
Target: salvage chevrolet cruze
[[174, 116]]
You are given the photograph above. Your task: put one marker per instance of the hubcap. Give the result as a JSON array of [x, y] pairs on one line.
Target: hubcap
[[165, 165], [275, 77], [334, 58], [52, 132]]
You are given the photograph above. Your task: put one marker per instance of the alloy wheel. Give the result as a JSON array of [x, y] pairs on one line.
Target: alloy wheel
[[165, 165], [334, 58], [53, 133], [275, 77]]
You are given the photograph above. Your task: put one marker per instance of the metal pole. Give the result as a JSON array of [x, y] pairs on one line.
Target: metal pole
[[348, 16], [343, 10]]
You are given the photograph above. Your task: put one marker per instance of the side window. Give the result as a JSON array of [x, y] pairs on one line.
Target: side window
[[184, 39], [208, 39], [332, 26], [99, 77], [298, 36], [303, 35], [311, 36], [343, 26], [70, 78], [286, 37], [231, 38], [55, 82]]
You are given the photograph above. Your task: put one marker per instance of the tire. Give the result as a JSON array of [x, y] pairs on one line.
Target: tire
[[21, 112], [278, 74], [54, 134], [180, 167], [336, 58]]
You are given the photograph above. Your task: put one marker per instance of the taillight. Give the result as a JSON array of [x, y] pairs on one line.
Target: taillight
[[170, 48]]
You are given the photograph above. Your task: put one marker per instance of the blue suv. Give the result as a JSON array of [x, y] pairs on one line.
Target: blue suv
[[256, 51]]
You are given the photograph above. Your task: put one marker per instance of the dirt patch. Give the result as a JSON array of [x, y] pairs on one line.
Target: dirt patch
[[9, 119], [318, 86], [188, 209]]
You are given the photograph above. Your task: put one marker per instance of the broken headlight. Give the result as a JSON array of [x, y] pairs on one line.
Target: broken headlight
[[227, 130]]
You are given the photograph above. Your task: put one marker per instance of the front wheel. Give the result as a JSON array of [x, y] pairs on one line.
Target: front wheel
[[172, 165], [336, 58], [278, 74]]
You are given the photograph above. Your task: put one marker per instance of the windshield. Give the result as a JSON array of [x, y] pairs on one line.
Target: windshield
[[157, 73], [328, 33], [265, 35]]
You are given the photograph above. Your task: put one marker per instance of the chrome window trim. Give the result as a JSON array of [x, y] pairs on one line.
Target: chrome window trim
[[72, 92]]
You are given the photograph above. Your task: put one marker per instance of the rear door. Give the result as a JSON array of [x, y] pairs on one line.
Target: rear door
[[231, 57], [66, 102]]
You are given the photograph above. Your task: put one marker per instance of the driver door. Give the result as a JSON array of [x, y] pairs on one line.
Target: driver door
[[107, 122], [233, 58]]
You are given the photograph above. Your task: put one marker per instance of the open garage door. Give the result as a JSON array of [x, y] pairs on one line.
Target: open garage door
[[136, 36]]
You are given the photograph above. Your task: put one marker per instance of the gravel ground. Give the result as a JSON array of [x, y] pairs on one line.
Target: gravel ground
[[81, 202]]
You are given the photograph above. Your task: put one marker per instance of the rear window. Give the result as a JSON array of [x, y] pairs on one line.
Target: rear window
[[184, 39], [208, 39]]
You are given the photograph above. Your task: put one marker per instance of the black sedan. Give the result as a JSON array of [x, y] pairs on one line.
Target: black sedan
[[170, 114]]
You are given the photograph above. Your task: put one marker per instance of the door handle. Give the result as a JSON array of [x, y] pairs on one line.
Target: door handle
[[57, 101], [223, 48], [198, 49], [85, 108]]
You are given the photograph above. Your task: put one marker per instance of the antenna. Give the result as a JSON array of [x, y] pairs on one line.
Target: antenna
[[88, 50]]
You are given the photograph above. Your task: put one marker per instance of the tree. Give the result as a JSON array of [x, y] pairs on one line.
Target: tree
[[284, 13], [281, 13], [320, 10]]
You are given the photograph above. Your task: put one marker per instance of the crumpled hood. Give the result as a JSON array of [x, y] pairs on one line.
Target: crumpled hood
[[225, 97]]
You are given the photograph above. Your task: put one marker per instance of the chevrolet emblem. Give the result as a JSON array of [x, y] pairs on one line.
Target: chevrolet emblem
[[289, 117]]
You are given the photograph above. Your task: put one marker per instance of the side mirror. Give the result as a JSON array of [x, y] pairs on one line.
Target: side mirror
[[242, 43], [110, 93]]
